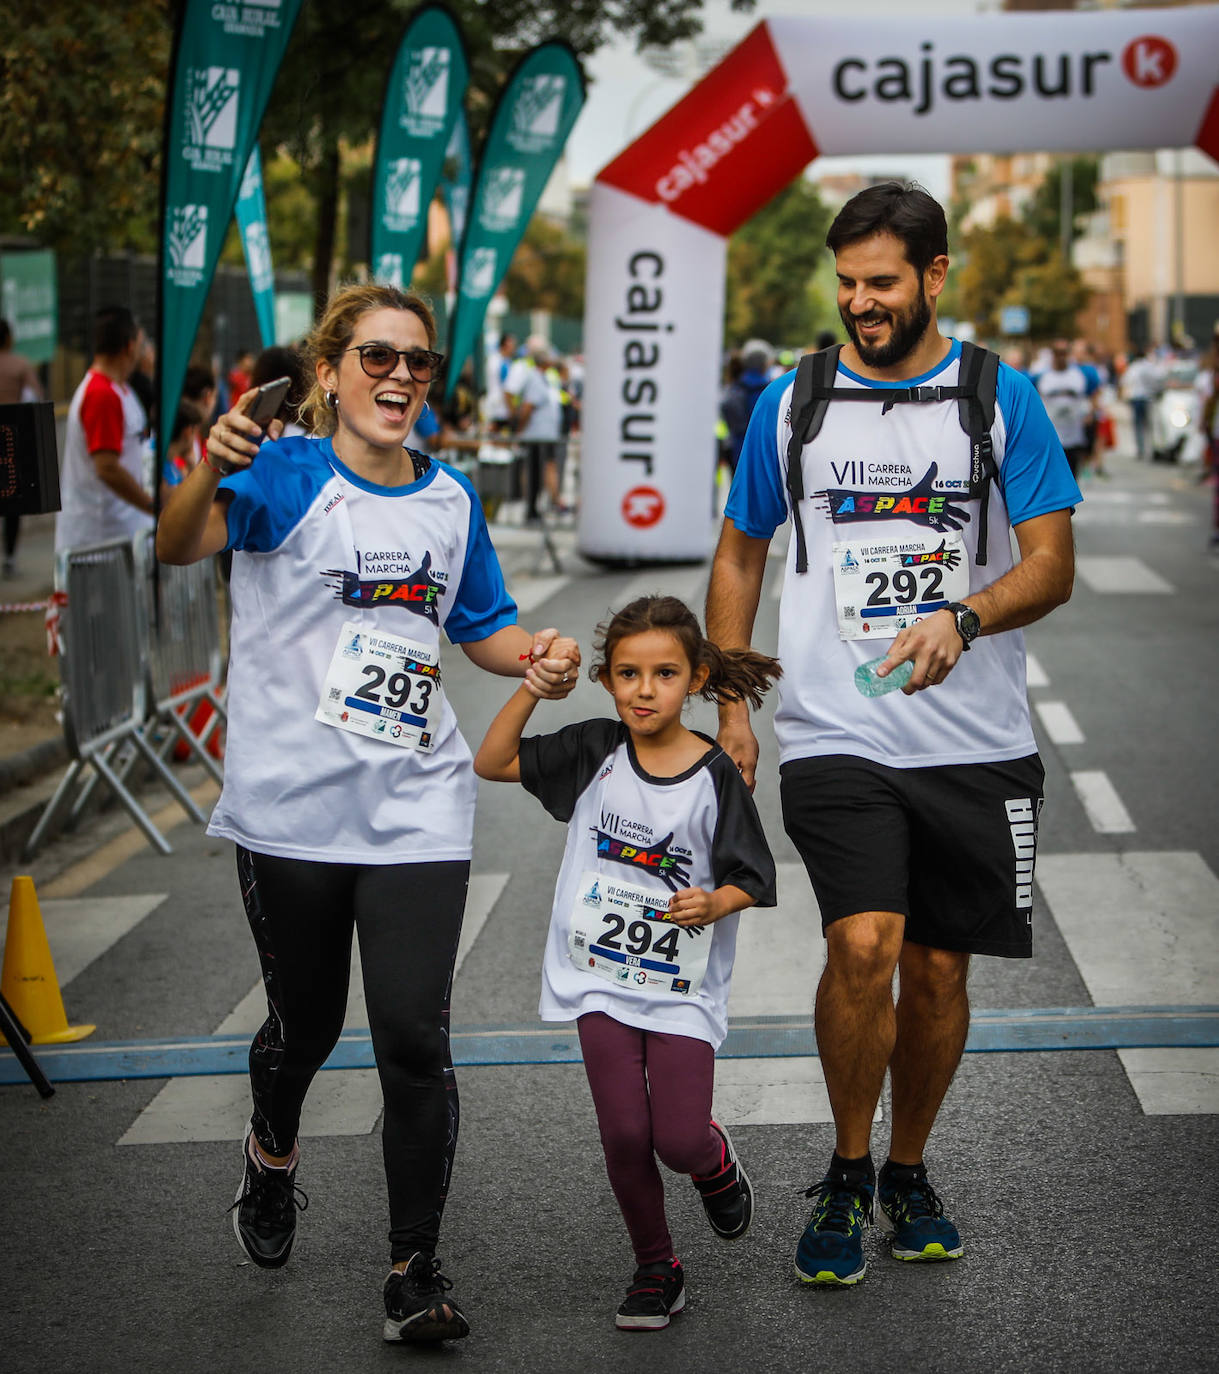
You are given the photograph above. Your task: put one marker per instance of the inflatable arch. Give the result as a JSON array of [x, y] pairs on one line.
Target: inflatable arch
[[661, 212]]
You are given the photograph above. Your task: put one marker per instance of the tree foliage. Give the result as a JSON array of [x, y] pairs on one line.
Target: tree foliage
[[1008, 263], [772, 260], [335, 72], [1043, 213], [82, 95]]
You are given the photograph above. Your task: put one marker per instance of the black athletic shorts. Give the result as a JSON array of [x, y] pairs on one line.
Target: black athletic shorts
[[951, 849]]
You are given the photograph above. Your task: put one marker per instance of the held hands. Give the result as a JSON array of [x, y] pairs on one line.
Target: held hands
[[694, 906], [933, 646], [232, 442], [554, 665], [737, 740]]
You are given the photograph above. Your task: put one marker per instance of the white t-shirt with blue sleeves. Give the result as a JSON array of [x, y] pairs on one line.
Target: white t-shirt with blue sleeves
[[918, 457], [316, 546]]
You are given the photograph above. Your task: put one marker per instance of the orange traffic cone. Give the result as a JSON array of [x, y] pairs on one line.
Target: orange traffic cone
[[28, 981]]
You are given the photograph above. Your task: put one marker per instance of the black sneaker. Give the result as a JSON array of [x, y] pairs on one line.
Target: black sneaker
[[727, 1195], [657, 1292], [264, 1211], [415, 1306]]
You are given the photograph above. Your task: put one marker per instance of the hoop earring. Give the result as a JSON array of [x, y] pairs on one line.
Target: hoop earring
[[332, 400]]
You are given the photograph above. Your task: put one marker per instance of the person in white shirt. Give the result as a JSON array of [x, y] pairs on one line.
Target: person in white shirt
[[537, 411], [348, 788], [664, 848], [103, 482], [1067, 391], [1139, 386]]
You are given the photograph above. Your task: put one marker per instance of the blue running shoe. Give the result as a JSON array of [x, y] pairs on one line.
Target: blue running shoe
[[831, 1248], [921, 1231]]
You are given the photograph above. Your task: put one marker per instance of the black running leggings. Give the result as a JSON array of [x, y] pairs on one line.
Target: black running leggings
[[409, 919]]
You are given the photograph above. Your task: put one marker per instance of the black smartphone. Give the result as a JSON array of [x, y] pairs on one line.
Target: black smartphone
[[267, 401]]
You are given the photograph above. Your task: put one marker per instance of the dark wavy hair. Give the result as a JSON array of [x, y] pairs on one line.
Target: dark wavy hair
[[732, 674], [904, 210]]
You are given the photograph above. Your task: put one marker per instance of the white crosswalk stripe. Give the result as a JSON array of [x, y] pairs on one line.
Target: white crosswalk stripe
[[216, 1107], [80, 929], [1120, 576], [1141, 929]]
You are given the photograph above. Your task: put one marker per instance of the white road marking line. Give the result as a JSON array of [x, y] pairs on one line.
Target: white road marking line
[[762, 1092], [1102, 803], [1141, 929], [1059, 723], [530, 592], [1121, 575], [81, 929], [688, 584], [1035, 674], [762, 983], [772, 1092], [1140, 926], [216, 1107], [1174, 1082]]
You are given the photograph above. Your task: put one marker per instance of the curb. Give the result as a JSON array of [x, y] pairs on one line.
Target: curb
[[20, 769]]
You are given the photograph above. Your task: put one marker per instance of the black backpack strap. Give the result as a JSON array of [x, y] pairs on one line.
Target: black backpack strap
[[811, 393], [979, 374]]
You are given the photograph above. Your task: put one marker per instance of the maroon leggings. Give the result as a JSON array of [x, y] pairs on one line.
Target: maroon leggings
[[652, 1092]]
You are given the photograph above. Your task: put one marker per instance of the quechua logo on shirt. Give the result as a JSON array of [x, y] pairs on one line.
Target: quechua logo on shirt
[[920, 504], [419, 593], [672, 869]]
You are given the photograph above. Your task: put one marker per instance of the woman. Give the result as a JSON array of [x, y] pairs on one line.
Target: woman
[[348, 789]]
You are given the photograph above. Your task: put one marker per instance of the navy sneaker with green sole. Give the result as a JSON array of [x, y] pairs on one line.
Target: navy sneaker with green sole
[[921, 1231], [831, 1249]]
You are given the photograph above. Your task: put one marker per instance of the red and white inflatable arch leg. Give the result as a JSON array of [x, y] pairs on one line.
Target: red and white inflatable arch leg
[[660, 215]]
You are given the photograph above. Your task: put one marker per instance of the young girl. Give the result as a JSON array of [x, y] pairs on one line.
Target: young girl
[[664, 847]]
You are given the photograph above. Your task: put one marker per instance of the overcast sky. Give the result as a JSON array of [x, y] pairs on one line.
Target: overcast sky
[[626, 95]]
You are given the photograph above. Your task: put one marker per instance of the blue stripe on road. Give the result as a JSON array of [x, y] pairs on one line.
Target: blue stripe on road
[[1048, 1028]]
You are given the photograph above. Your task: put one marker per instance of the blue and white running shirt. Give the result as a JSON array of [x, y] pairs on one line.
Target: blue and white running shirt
[[317, 546], [889, 485], [699, 829]]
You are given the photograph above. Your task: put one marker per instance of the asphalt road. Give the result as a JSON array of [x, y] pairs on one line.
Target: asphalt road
[[1083, 1179]]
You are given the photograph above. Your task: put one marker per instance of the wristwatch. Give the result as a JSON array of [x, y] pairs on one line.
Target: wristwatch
[[968, 624]]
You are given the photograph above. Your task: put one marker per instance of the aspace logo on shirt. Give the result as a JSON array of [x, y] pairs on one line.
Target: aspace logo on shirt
[[671, 868], [420, 592], [921, 504]]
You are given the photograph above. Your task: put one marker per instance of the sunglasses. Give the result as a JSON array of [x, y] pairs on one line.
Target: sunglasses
[[379, 360]]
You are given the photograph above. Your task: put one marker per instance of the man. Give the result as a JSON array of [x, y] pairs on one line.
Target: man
[[1067, 392], [1140, 386], [499, 364], [915, 813], [741, 395], [537, 412], [18, 382], [103, 480]]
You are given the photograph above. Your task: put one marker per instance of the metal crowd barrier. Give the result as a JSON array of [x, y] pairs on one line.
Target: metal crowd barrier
[[119, 678], [184, 659]]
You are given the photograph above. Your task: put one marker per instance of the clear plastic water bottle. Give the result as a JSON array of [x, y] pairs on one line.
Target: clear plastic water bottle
[[872, 686]]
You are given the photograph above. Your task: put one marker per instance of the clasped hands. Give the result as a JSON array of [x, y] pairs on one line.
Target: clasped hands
[[554, 665]]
